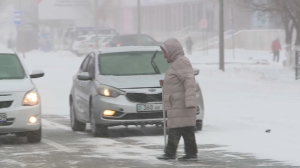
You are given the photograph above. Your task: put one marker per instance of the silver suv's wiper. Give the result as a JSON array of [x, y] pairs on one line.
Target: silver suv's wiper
[[153, 63]]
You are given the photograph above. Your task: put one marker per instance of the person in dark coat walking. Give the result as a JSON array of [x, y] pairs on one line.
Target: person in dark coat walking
[[189, 45], [179, 96], [276, 47], [10, 43]]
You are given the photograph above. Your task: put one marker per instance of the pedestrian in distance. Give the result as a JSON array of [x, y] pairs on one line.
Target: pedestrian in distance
[[10, 42], [189, 45], [179, 97], [276, 47]]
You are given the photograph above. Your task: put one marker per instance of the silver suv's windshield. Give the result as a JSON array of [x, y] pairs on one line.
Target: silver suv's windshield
[[131, 63], [11, 67]]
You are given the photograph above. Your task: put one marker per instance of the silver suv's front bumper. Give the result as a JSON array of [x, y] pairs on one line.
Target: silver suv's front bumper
[[127, 112]]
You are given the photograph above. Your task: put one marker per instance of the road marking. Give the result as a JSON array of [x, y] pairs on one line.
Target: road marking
[[59, 146], [49, 125], [52, 125]]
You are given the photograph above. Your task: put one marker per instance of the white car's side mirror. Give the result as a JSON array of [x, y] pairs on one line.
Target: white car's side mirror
[[37, 74]]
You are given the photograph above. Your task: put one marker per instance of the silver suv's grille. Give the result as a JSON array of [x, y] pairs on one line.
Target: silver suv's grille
[[5, 104], [143, 97]]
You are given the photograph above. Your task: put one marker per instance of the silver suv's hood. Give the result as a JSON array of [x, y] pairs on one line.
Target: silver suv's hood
[[16, 85], [127, 82]]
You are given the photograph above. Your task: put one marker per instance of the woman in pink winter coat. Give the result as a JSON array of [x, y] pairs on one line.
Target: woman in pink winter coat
[[179, 96]]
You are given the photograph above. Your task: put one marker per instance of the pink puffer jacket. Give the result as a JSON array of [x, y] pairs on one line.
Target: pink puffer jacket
[[179, 89]]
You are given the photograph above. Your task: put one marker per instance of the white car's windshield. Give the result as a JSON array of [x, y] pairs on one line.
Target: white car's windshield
[[10, 67], [131, 63]]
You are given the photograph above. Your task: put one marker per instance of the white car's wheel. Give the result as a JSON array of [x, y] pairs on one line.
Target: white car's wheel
[[34, 136], [98, 130]]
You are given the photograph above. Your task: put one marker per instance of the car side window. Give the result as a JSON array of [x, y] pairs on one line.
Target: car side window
[[84, 65], [91, 65]]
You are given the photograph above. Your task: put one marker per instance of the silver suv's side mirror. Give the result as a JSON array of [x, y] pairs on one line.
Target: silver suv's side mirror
[[196, 72], [85, 76]]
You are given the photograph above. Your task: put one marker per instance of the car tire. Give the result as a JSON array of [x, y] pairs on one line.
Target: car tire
[[199, 125], [98, 130], [75, 124], [34, 136]]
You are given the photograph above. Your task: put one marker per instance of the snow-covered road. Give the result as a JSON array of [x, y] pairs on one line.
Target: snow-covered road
[[63, 148], [240, 105]]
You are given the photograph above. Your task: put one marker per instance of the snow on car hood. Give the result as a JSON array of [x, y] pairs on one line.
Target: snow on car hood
[[126, 82], [16, 85]]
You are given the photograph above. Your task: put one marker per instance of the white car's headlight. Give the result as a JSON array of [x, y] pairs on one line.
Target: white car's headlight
[[108, 91], [31, 99]]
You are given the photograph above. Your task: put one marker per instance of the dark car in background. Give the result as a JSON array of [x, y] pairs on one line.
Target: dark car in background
[[132, 40]]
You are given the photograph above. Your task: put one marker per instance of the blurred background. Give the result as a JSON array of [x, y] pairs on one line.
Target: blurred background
[[52, 25]]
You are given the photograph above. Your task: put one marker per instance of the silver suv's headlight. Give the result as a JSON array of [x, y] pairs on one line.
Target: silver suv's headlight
[[108, 91], [31, 98]]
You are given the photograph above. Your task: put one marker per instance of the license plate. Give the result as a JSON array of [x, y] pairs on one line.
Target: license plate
[[2, 117], [149, 107]]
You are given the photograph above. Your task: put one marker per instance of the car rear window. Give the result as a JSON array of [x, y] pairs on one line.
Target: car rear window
[[11, 67], [131, 63]]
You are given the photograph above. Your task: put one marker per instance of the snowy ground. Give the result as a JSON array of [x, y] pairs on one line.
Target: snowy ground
[[245, 101], [253, 95]]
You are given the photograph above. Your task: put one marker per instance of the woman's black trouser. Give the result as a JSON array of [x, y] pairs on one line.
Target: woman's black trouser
[[188, 134]]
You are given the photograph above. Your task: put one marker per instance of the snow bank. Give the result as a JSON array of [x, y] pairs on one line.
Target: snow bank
[[245, 66]]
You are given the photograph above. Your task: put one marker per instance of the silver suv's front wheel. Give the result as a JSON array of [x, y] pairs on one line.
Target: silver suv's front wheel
[[98, 130]]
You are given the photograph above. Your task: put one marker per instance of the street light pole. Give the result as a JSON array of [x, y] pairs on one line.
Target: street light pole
[[232, 29], [96, 25], [221, 41], [139, 21]]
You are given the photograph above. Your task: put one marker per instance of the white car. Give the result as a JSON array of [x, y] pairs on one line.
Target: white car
[[89, 46], [20, 105]]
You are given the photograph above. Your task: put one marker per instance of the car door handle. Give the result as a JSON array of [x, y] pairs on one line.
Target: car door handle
[[81, 84]]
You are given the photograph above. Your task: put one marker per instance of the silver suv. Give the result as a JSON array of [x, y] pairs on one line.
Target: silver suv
[[120, 86]]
